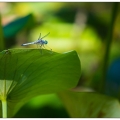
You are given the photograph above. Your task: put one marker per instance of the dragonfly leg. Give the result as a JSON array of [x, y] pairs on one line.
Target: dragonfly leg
[[48, 47], [41, 49]]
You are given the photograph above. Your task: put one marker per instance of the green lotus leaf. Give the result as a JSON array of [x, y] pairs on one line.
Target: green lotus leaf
[[26, 73]]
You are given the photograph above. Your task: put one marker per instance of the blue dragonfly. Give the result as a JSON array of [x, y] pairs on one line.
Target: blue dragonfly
[[40, 42]]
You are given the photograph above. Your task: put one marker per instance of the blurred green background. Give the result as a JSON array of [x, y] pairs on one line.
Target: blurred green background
[[79, 26]]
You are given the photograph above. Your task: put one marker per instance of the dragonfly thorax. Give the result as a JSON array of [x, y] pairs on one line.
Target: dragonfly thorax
[[42, 42]]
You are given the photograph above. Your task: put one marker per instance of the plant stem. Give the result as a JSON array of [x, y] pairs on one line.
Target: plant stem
[[107, 46], [4, 108]]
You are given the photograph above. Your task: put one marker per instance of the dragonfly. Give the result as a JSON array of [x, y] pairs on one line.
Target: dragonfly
[[40, 42]]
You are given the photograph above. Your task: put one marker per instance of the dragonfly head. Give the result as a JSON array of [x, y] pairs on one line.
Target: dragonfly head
[[45, 42]]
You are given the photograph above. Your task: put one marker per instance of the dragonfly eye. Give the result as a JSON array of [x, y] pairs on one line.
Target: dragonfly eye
[[46, 42]]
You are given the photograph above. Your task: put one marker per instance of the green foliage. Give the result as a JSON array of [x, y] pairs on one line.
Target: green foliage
[[108, 46], [2, 44], [15, 26], [47, 105], [26, 73], [90, 105]]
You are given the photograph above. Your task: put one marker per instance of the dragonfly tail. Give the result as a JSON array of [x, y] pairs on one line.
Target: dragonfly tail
[[28, 44]]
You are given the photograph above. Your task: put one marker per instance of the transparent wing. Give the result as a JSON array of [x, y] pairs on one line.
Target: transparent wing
[[39, 36], [45, 35]]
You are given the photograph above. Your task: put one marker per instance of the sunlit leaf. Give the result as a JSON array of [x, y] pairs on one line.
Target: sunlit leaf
[[25, 73], [90, 105]]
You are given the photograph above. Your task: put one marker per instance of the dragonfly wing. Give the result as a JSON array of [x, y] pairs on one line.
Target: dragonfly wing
[[45, 35], [39, 36]]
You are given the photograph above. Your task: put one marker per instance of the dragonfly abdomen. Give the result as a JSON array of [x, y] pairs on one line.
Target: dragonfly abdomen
[[28, 44]]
